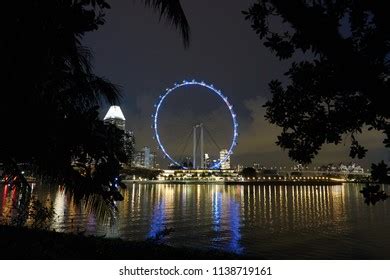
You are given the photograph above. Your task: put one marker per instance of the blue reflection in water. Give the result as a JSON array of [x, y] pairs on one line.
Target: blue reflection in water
[[158, 220], [230, 234], [217, 212], [235, 245]]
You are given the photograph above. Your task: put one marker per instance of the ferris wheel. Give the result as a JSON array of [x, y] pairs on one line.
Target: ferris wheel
[[198, 127]]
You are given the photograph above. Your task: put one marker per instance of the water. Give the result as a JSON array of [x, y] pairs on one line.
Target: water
[[315, 222]]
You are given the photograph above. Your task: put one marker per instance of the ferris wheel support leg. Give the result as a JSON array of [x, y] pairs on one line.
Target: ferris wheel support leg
[[201, 147], [194, 150]]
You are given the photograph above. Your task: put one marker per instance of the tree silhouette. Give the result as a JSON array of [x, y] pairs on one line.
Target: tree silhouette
[[51, 97], [173, 11], [380, 172], [341, 86], [249, 172]]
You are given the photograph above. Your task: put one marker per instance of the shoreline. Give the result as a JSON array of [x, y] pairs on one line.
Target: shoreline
[[21, 243], [260, 182]]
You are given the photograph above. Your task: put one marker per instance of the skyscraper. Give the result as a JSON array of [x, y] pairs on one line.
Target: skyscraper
[[207, 161], [115, 116], [222, 155], [145, 158]]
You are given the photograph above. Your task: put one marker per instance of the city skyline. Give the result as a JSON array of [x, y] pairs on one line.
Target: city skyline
[[230, 43], [146, 157], [236, 161]]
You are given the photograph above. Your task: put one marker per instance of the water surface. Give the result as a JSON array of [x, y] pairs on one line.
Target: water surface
[[316, 222]]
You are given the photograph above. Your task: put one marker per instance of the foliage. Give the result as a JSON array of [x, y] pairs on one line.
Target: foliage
[[55, 107], [249, 172], [380, 172], [50, 108], [35, 215], [174, 13], [40, 215], [340, 85], [145, 173]]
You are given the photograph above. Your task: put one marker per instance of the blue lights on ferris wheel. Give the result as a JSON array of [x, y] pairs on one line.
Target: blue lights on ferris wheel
[[213, 90]]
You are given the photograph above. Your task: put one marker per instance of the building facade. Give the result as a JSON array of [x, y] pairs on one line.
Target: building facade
[[222, 155], [145, 158]]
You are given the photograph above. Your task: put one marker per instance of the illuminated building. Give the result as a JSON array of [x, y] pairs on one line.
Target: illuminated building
[[239, 167], [224, 155], [351, 169], [209, 175], [115, 116], [207, 161], [145, 158]]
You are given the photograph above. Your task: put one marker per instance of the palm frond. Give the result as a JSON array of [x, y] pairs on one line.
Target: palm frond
[[110, 92], [174, 13]]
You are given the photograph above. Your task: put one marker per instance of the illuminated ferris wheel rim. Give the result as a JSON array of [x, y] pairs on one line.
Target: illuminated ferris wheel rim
[[215, 91]]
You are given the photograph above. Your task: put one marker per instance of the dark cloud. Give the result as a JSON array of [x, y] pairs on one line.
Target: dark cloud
[[144, 56]]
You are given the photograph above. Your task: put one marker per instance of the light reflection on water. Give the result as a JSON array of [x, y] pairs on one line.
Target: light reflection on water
[[269, 221]]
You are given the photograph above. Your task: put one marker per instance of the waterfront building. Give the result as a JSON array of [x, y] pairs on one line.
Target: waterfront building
[[222, 155], [259, 166], [351, 168], [115, 116], [212, 175]]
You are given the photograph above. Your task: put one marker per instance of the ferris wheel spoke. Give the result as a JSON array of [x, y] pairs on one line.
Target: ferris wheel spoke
[[212, 138], [187, 139]]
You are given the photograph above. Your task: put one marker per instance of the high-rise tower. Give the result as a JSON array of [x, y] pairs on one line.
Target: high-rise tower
[[115, 116], [222, 155]]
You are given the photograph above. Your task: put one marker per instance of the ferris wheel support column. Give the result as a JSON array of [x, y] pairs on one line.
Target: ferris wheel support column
[[194, 150], [201, 147]]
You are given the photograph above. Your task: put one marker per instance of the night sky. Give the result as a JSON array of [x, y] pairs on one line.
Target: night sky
[[144, 56]]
